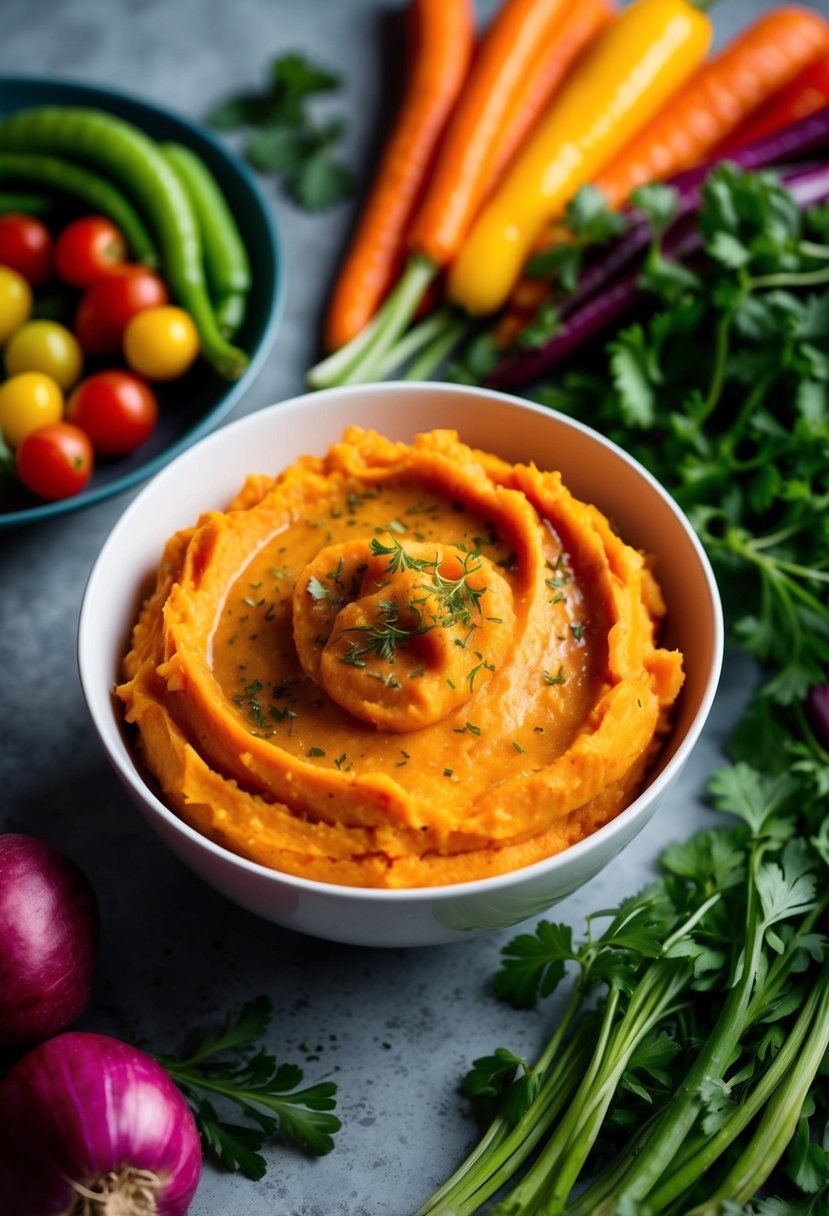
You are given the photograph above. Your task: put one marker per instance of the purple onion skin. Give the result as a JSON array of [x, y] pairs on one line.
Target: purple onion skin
[[82, 1105], [48, 940]]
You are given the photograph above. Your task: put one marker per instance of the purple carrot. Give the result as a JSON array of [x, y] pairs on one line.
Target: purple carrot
[[817, 709], [622, 294], [594, 316]]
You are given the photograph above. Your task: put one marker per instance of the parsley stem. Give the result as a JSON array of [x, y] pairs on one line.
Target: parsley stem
[[546, 1187], [803, 278], [780, 1117], [679, 1115], [192, 1078], [560, 1086], [811, 249], [686, 927], [722, 346], [698, 1156], [505, 1145]]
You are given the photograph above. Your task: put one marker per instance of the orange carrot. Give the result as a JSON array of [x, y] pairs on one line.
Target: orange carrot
[[471, 147], [441, 39], [579, 27], [718, 98], [807, 93]]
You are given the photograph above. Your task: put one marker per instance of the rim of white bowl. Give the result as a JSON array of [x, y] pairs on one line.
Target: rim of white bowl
[[126, 766]]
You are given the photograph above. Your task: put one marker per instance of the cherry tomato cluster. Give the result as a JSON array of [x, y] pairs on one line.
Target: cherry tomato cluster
[[56, 421]]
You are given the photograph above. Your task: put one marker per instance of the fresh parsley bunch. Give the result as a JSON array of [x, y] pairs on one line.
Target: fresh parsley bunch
[[691, 1049], [722, 390]]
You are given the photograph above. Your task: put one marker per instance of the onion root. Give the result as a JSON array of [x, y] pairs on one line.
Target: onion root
[[124, 1192]]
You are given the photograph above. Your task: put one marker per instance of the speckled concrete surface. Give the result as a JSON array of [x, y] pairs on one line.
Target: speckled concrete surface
[[395, 1029]]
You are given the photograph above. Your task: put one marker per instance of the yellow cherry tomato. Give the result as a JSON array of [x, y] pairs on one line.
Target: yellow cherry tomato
[[161, 343], [28, 401], [15, 301], [45, 346]]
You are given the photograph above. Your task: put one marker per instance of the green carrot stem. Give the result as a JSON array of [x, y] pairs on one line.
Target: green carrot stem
[[441, 346], [364, 356], [417, 338], [331, 370], [398, 310]]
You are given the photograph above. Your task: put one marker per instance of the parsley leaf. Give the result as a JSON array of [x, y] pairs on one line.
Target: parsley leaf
[[223, 1065], [533, 964], [286, 140]]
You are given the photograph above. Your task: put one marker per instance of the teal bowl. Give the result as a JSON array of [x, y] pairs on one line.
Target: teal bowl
[[194, 405]]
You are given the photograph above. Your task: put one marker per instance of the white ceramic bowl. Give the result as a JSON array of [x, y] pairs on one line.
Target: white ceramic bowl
[[210, 473]]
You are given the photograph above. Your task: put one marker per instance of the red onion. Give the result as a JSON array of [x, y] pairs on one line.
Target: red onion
[[91, 1125], [48, 940]]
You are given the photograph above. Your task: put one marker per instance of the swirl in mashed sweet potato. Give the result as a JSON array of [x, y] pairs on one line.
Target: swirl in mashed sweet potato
[[400, 666]]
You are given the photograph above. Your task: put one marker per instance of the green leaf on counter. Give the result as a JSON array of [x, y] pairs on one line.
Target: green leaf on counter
[[284, 138]]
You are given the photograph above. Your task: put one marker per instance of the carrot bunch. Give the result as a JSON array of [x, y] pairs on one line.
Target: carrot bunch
[[774, 68], [494, 138], [517, 66]]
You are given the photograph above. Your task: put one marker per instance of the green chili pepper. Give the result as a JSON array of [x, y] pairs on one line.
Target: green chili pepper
[[25, 202], [136, 162], [90, 188], [226, 260]]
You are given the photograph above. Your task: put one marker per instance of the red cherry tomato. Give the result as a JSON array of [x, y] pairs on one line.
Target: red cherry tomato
[[55, 461], [26, 246], [88, 249], [110, 303], [117, 410]]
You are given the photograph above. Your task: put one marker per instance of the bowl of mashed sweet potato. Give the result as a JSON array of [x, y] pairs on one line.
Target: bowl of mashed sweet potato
[[400, 663]]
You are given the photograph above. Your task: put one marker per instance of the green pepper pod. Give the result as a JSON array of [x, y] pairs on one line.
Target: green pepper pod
[[66, 178], [226, 261], [25, 202], [135, 161]]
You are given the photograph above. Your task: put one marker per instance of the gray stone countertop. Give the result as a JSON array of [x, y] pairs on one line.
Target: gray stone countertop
[[396, 1029]]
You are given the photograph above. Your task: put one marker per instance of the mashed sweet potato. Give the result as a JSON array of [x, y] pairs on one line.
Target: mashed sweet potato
[[400, 666]]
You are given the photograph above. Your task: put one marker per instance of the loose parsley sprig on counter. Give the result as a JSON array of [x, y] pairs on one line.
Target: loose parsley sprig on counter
[[284, 138], [226, 1065]]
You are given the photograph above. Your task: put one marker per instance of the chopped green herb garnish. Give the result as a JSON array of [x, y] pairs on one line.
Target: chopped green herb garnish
[[468, 726]]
